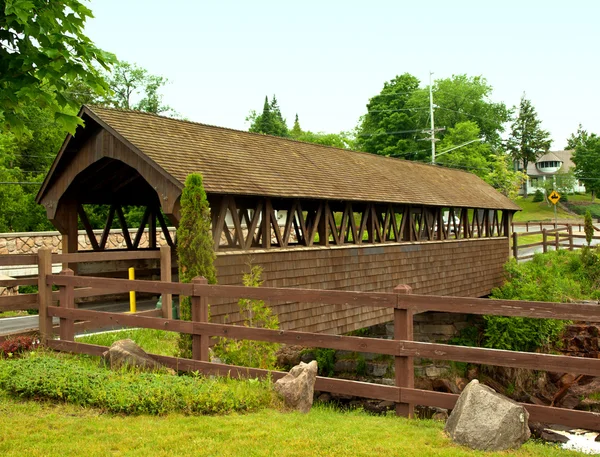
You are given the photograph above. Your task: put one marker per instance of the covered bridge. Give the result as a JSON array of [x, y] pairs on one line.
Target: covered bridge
[[310, 215]]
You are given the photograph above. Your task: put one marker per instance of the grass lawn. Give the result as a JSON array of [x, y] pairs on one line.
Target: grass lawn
[[34, 429], [534, 211], [158, 342]]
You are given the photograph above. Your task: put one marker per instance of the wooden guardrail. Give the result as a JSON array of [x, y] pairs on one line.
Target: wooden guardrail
[[44, 259], [402, 347], [552, 239]]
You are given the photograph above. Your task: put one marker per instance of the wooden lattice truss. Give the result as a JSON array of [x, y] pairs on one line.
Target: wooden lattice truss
[[245, 223]]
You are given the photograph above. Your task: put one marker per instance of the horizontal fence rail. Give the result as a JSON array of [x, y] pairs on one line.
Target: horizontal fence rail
[[402, 347], [44, 261]]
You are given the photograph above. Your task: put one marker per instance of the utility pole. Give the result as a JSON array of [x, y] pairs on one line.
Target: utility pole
[[432, 121]]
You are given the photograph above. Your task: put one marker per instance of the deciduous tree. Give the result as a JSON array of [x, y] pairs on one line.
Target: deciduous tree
[[43, 50], [587, 164]]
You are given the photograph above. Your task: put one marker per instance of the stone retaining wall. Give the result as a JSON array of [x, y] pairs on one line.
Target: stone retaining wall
[[31, 242]]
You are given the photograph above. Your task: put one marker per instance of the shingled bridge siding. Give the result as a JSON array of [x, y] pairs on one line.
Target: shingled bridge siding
[[468, 268]]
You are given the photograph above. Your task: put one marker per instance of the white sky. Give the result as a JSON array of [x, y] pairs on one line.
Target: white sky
[[325, 59]]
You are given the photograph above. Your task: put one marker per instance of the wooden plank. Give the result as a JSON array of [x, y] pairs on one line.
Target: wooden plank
[[266, 224], [84, 326], [123, 285], [253, 225], [275, 226], [88, 227], [44, 294], [19, 302], [67, 332], [314, 226], [332, 225], [166, 272], [18, 282], [352, 221], [106, 231], [497, 357], [124, 228], [11, 260], [105, 256], [363, 223], [287, 231], [404, 369], [237, 225], [200, 340], [152, 227], [486, 306], [140, 231]]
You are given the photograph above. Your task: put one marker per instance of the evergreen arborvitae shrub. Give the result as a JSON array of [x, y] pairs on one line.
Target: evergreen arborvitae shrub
[[538, 196], [195, 249], [588, 227]]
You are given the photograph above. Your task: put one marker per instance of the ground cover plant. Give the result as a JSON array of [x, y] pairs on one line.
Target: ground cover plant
[[83, 381]]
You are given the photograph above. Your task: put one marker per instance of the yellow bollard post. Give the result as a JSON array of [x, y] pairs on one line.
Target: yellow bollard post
[[132, 293]]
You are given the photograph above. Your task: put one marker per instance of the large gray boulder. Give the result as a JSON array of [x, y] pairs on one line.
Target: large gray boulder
[[485, 420], [298, 386], [127, 353]]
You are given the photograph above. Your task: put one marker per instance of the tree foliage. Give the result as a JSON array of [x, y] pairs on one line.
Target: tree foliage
[[399, 117], [270, 121], [579, 138], [587, 163], [195, 250], [503, 177], [474, 157], [338, 140], [527, 141], [43, 51], [389, 128], [248, 353], [133, 87]]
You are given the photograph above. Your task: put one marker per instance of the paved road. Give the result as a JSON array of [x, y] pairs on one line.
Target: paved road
[[18, 324]]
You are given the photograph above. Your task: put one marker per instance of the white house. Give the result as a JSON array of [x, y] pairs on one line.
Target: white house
[[546, 167]]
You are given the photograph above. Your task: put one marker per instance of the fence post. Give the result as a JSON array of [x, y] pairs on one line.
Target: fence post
[[556, 240], [403, 330], [199, 314], [545, 240], [515, 245], [66, 299], [165, 276], [570, 237], [44, 294]]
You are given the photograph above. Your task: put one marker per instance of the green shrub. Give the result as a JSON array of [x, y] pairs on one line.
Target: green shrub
[[325, 360], [248, 353], [538, 196], [588, 227], [81, 381]]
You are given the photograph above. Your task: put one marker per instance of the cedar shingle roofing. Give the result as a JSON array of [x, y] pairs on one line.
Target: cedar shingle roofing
[[243, 163]]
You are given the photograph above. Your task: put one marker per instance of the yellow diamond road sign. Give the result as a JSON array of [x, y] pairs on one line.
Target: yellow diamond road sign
[[554, 197]]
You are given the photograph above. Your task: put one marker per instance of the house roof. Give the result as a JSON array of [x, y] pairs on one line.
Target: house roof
[[243, 163], [562, 156]]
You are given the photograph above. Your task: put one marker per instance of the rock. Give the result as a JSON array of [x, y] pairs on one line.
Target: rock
[[445, 385], [324, 397], [289, 356], [472, 373], [377, 369], [566, 379], [461, 383], [485, 420], [297, 387], [441, 416], [540, 431], [127, 353], [386, 404], [569, 401]]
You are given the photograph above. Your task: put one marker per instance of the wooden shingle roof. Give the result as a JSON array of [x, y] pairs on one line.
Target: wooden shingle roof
[[243, 163]]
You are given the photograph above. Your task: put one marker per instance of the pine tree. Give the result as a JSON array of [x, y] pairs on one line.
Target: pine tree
[[296, 131], [195, 249], [588, 227], [270, 121], [527, 141]]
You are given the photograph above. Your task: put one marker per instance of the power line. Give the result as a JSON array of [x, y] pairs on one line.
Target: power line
[[391, 133]]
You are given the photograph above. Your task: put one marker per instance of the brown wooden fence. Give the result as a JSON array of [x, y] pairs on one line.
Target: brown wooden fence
[[44, 259], [402, 347], [562, 237]]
